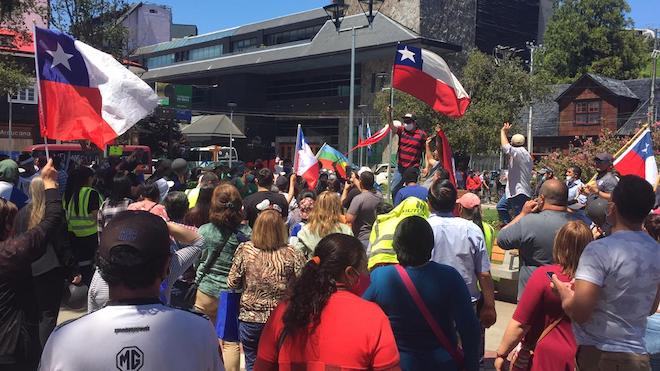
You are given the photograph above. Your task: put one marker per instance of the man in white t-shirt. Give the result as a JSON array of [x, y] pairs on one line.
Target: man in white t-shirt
[[617, 285], [518, 185], [135, 331]]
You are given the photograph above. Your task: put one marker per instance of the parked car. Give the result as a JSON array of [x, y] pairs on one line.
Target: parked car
[[380, 173]]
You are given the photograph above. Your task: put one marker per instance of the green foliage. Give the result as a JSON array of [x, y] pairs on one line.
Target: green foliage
[[93, 22], [12, 77], [582, 154], [154, 133], [498, 91], [592, 36]]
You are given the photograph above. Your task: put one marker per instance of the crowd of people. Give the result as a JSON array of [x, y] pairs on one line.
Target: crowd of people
[[334, 277]]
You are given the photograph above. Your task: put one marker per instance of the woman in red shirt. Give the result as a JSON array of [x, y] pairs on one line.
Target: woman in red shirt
[[540, 308], [325, 324]]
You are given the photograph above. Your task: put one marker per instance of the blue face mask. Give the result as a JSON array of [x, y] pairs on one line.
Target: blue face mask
[[250, 178]]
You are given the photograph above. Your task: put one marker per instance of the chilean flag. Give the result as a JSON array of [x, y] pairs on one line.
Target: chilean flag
[[373, 139], [426, 76], [305, 163], [638, 159], [85, 93]]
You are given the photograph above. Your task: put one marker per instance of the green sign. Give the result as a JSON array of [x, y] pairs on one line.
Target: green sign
[[183, 96], [115, 151]]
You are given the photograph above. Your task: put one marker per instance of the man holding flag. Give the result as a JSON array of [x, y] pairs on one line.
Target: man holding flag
[[412, 142]]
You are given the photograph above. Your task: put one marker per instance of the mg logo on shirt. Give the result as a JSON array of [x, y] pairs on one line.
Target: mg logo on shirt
[[130, 359]]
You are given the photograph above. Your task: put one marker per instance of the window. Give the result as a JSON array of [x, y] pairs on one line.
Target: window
[[26, 96], [181, 56], [587, 112], [241, 45], [160, 61], [305, 33], [207, 52]]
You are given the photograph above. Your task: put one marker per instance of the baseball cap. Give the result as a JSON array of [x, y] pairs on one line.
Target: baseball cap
[[517, 140], [163, 187], [604, 156], [145, 232], [596, 210], [408, 116], [469, 200], [179, 164], [281, 181]]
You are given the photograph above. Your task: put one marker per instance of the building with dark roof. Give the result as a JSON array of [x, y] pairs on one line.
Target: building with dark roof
[[295, 69], [582, 109]]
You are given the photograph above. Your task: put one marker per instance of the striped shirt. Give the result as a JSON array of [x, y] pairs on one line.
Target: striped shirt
[[99, 292], [411, 146], [107, 212]]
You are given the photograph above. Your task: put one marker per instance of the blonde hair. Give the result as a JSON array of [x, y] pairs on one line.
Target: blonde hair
[[269, 232], [570, 241], [38, 196], [326, 214]]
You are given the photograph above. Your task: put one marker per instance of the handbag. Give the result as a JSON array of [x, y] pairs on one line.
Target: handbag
[[226, 324], [455, 351], [522, 356]]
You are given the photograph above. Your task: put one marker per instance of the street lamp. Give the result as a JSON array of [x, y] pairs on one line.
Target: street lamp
[[231, 106], [336, 12]]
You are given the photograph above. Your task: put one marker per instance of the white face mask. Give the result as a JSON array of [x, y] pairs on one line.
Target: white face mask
[[409, 126], [569, 178]]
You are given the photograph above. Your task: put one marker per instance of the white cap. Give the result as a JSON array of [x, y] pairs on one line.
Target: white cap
[[364, 169], [517, 140]]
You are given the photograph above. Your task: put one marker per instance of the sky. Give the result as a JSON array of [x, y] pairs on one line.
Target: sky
[[214, 15]]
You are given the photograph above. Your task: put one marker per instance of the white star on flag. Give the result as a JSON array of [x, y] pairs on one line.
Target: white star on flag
[[60, 57], [407, 54]]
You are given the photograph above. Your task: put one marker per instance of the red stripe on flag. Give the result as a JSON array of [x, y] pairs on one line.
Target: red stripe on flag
[[73, 112], [631, 164], [438, 95]]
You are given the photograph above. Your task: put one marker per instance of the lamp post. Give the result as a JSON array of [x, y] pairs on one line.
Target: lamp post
[[231, 106], [336, 12]]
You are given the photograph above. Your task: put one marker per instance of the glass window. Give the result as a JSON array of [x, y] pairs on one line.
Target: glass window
[[587, 112], [26, 96], [245, 44], [292, 35], [207, 52], [160, 61]]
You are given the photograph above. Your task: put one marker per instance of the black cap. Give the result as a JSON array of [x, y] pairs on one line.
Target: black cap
[[596, 210], [145, 232], [604, 156]]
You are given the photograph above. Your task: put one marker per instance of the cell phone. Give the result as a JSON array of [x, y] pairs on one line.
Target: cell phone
[[550, 274]]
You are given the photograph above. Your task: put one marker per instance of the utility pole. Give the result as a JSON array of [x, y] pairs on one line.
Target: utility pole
[[530, 140], [655, 54]]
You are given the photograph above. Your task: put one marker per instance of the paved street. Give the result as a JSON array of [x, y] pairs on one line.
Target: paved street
[[493, 335]]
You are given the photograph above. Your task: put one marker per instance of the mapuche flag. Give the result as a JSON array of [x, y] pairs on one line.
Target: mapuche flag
[[85, 93], [332, 159], [426, 76]]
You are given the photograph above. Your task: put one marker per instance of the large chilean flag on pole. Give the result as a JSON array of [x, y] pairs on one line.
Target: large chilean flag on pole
[[426, 76], [85, 93], [638, 159], [305, 164]]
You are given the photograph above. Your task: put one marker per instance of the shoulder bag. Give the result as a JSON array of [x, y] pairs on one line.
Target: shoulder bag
[[522, 356]]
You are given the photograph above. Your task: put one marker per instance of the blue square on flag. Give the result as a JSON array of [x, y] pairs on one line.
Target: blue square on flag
[[410, 56]]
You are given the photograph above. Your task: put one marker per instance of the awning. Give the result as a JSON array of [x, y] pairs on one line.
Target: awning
[[209, 127]]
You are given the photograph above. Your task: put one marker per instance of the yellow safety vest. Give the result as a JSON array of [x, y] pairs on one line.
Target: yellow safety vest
[[382, 233], [81, 223], [489, 236]]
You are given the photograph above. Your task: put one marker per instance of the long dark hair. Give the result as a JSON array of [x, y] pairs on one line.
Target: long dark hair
[[77, 179], [121, 188], [199, 214], [318, 280]]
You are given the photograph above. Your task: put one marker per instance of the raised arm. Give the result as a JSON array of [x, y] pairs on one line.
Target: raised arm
[[390, 122], [504, 135]]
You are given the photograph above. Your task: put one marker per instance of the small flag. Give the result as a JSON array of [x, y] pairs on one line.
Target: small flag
[[446, 156], [426, 76], [332, 159], [638, 159], [368, 135], [380, 134], [85, 93], [306, 164]]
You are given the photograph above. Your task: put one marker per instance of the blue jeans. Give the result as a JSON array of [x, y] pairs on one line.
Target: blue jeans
[[652, 339], [509, 208], [396, 182], [249, 334]]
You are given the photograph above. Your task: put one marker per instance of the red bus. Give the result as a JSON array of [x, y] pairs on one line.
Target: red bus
[[74, 152]]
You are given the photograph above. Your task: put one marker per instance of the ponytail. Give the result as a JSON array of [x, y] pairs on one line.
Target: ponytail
[[318, 280]]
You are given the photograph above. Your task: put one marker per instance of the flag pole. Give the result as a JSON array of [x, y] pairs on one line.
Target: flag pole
[[295, 151], [40, 102], [389, 146]]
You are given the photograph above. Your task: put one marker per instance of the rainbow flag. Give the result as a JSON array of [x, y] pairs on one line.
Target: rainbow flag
[[332, 159]]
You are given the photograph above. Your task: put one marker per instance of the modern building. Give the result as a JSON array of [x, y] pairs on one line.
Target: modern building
[[592, 103], [295, 69]]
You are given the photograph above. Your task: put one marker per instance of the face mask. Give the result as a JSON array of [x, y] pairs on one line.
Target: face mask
[[409, 126], [362, 284], [569, 178], [250, 178]]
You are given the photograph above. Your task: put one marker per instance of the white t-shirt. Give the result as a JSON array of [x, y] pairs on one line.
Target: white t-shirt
[[626, 265], [145, 337], [520, 171]]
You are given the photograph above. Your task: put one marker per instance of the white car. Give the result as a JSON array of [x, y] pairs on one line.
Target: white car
[[380, 172]]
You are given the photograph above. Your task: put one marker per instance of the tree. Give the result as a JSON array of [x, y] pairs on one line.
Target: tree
[[93, 22], [592, 36], [499, 90]]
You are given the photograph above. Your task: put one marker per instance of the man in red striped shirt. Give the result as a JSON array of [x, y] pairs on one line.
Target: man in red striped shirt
[[411, 146]]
